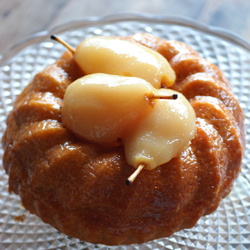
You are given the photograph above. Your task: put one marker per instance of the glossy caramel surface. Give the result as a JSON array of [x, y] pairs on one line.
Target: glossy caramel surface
[[79, 187]]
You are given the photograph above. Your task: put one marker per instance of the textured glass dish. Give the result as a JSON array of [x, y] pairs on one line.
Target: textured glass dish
[[228, 227]]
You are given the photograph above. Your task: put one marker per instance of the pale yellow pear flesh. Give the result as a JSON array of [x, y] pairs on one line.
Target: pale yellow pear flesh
[[161, 134], [101, 107], [118, 57], [114, 101]]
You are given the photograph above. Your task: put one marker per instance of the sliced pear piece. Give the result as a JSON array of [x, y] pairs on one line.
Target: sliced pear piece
[[162, 133], [101, 107], [118, 57]]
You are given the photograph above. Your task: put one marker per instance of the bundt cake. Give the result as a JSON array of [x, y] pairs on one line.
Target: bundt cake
[[79, 187]]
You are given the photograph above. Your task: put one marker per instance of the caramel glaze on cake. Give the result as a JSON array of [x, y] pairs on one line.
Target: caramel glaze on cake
[[79, 188]]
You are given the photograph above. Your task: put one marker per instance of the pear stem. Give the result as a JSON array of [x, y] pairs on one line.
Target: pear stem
[[132, 177], [58, 39], [158, 96]]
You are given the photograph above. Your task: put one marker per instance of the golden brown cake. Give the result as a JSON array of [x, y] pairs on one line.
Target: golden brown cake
[[79, 187]]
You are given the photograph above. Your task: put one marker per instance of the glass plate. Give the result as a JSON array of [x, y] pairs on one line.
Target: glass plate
[[228, 227]]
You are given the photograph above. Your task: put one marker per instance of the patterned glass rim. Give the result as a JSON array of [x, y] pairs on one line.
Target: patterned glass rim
[[222, 33], [181, 238]]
